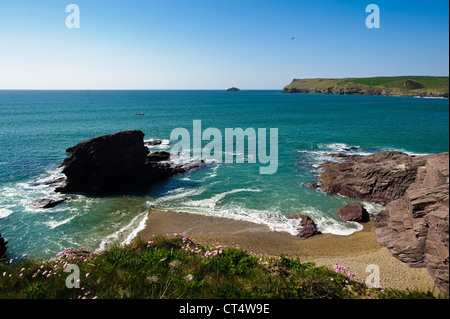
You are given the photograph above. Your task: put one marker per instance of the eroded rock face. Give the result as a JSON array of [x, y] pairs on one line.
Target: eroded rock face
[[379, 178], [415, 228], [113, 163], [415, 190], [354, 212]]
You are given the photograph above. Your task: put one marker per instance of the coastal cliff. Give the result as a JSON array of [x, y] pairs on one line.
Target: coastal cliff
[[423, 86], [415, 190]]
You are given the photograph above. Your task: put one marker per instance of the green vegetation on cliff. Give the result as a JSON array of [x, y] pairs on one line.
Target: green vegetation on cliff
[[175, 267], [424, 86]]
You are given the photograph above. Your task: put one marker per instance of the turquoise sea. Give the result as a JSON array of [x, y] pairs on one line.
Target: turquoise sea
[[36, 127]]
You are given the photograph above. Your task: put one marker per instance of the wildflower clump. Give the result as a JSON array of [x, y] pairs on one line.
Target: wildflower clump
[[175, 266]]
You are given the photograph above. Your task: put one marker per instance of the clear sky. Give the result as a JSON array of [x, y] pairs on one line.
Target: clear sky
[[216, 44]]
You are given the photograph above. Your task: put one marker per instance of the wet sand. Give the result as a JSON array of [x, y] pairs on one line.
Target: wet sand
[[357, 250]]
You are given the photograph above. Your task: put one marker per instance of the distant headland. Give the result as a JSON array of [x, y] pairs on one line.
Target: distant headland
[[422, 86]]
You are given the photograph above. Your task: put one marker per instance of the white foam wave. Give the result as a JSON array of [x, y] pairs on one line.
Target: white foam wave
[[5, 212], [177, 194], [406, 151], [327, 224], [162, 146], [373, 208], [137, 229], [125, 234], [212, 202], [273, 219], [54, 224]]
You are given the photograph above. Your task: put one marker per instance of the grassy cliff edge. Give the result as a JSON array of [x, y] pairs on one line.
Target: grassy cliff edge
[[175, 267], [423, 86]]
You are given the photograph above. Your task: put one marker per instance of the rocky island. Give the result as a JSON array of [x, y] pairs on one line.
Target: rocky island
[[415, 191], [115, 162], [233, 89], [422, 86]]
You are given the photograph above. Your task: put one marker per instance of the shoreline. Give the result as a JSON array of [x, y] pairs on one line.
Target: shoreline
[[357, 250]]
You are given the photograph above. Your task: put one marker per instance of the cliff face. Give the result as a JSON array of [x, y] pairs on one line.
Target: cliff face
[[415, 228], [415, 225]]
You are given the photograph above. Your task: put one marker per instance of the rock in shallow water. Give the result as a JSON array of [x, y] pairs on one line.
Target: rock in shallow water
[[307, 227], [115, 162], [354, 212], [48, 202]]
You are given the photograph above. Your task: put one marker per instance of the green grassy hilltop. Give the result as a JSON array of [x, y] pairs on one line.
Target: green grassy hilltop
[[424, 86]]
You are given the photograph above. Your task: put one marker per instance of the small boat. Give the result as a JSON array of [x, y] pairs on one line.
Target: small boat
[[139, 113]]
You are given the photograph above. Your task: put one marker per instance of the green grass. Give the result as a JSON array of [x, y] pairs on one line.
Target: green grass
[[437, 85], [175, 267]]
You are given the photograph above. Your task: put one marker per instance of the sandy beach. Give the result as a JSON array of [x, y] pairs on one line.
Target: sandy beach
[[357, 250]]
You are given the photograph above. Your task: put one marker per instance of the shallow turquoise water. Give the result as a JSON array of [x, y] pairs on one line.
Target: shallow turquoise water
[[37, 126]]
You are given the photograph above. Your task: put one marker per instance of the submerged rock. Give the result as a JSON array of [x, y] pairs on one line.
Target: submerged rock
[[157, 157], [114, 162], [48, 202], [312, 185], [153, 142]]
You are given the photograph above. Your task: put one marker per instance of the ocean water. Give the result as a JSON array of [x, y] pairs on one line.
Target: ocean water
[[36, 127]]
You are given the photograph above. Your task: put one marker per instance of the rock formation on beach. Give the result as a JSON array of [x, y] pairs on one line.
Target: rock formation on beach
[[415, 190], [114, 162], [354, 212], [307, 227]]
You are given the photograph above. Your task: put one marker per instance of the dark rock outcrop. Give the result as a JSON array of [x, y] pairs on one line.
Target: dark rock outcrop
[[48, 202], [3, 244], [233, 89], [413, 85], [378, 178], [312, 185], [112, 163], [157, 157], [354, 212], [307, 227], [152, 142], [415, 190]]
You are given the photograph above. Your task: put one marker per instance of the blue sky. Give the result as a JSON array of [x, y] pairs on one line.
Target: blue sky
[[215, 44]]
